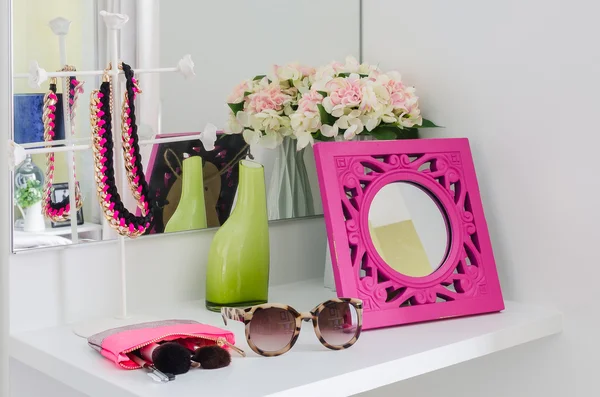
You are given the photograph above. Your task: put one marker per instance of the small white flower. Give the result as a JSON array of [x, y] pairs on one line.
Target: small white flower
[[304, 138], [330, 131], [251, 137], [351, 123], [370, 121], [352, 65], [287, 72], [244, 118], [334, 110], [233, 125], [374, 97]]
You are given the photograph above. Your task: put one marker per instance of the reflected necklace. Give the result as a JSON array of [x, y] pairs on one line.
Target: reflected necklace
[[118, 217], [59, 212]]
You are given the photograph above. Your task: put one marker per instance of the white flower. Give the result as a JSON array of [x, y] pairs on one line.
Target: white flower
[[374, 96], [251, 137], [287, 72], [370, 121], [351, 123], [270, 140], [330, 130], [411, 119], [322, 76], [351, 65], [303, 85], [243, 118], [270, 121], [304, 138], [308, 121], [233, 125], [334, 110]]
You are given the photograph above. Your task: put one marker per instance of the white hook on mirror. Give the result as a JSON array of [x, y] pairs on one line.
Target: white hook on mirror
[[186, 66], [114, 21], [60, 26], [37, 75], [208, 137], [16, 154]]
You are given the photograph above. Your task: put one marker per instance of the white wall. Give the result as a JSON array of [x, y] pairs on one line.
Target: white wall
[[521, 80], [234, 40]]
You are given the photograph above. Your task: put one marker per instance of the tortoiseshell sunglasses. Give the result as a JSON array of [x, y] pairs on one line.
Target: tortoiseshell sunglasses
[[273, 329]]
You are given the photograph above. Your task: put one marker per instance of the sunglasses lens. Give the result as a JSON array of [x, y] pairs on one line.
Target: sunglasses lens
[[272, 329], [338, 323]]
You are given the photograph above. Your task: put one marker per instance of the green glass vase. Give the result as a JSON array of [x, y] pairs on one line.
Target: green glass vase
[[237, 274], [191, 212]]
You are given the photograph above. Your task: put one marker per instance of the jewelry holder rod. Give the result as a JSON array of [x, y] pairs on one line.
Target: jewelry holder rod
[[98, 72], [68, 149], [34, 147], [60, 27], [58, 142], [114, 23]]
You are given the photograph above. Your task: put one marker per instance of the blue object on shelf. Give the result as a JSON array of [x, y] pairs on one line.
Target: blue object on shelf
[[29, 126]]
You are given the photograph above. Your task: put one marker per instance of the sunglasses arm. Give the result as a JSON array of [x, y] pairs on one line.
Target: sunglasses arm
[[232, 313]]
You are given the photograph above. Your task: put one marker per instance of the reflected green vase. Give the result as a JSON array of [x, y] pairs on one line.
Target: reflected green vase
[[238, 262], [191, 212]]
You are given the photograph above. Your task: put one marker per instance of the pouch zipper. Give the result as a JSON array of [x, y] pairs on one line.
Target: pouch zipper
[[220, 341]]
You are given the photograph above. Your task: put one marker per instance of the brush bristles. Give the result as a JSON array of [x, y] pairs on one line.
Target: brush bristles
[[172, 358], [212, 357]]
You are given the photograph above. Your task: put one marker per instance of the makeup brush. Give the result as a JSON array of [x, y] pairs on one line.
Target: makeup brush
[[212, 357], [169, 357], [153, 372]]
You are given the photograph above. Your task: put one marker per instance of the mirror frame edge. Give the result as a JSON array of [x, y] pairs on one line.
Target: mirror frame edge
[[5, 213]]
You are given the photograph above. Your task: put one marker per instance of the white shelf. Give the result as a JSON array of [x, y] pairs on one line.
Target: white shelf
[[66, 230], [380, 357]]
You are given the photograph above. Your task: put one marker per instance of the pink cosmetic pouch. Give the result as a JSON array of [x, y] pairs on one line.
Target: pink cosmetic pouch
[[118, 343]]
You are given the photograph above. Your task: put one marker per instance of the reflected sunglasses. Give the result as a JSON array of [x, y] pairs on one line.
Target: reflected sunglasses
[[273, 329]]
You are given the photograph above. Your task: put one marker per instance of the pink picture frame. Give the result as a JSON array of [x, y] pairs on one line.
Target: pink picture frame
[[350, 175]]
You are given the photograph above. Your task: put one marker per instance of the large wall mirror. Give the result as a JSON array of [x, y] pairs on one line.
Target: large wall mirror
[[229, 41]]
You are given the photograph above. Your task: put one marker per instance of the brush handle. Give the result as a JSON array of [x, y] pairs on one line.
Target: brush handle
[[153, 373], [146, 352]]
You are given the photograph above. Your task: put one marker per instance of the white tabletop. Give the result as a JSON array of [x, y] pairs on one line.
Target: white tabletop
[[380, 357]]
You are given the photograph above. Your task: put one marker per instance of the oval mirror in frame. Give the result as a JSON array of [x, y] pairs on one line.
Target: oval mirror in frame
[[408, 229]]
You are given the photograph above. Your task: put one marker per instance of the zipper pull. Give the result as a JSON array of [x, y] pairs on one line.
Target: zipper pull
[[222, 341]]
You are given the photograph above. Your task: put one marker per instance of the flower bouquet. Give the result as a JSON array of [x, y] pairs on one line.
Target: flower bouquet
[[353, 99], [260, 108]]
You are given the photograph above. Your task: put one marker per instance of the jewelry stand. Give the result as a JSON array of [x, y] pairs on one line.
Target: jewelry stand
[[60, 27], [37, 76]]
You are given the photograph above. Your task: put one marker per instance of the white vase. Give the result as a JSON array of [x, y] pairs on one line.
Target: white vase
[[290, 194], [34, 219]]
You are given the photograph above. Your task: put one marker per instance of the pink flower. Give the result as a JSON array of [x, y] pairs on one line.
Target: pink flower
[[237, 95], [345, 91], [397, 93], [306, 71], [268, 98], [309, 102]]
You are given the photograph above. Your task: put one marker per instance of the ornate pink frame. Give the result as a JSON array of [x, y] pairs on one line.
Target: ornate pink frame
[[351, 174]]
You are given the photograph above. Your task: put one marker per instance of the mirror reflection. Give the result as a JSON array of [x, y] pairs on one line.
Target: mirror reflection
[[408, 229], [226, 50]]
